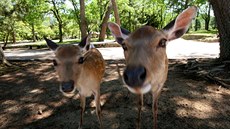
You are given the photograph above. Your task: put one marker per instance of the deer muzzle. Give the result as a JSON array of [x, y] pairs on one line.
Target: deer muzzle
[[134, 76], [67, 86]]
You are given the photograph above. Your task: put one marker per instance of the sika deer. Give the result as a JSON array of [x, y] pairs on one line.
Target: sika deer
[[145, 55], [79, 67]]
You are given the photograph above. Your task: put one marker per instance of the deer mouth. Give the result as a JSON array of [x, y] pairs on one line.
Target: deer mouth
[[140, 90]]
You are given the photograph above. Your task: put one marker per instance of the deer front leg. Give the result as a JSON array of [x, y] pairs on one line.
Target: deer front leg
[[82, 105], [98, 107], [140, 104], [155, 110]]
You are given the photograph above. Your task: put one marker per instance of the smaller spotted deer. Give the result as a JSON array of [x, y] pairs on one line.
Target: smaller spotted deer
[[79, 67], [145, 55]]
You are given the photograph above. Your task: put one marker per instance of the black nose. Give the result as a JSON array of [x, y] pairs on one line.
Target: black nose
[[134, 76], [67, 86]]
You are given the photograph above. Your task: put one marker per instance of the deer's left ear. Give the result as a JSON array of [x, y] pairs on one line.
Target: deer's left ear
[[180, 25], [52, 45], [85, 43], [118, 32]]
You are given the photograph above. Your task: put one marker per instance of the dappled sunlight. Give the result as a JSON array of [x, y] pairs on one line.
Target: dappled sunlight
[[37, 101], [201, 109], [36, 91], [103, 100]]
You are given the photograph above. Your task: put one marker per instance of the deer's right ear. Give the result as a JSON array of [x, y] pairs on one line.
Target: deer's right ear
[[180, 25], [119, 33], [52, 45]]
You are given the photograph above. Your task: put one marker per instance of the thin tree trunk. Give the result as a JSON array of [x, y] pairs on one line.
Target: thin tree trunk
[[208, 18], [60, 31], [33, 33], [14, 37], [83, 24], [104, 23], [57, 16], [116, 14], [196, 22], [3, 58], [221, 12], [6, 40]]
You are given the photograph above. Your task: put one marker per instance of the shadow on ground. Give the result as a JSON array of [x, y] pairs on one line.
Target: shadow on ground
[[30, 99]]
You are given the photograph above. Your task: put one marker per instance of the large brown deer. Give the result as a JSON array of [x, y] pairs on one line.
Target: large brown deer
[[79, 67], [145, 55]]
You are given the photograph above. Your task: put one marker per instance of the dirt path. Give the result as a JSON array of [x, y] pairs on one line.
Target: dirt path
[[176, 49], [30, 99]]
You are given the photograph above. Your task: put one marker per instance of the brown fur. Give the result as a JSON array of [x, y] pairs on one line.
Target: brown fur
[[87, 76], [147, 56]]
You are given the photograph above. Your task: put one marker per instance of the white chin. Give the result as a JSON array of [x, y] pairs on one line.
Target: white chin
[[146, 89], [68, 94], [143, 90]]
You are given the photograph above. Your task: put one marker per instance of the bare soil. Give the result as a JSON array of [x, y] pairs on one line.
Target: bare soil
[[30, 99]]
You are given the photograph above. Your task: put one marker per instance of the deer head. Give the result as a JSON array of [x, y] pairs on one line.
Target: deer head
[[145, 52], [68, 62]]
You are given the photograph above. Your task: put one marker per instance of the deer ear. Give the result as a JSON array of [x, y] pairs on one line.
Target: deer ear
[[52, 45], [180, 25], [85, 43], [119, 33]]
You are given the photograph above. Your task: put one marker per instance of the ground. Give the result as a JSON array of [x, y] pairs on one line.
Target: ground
[[30, 99]]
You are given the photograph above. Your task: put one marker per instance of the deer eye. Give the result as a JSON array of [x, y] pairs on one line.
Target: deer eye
[[81, 60], [162, 43], [124, 46], [55, 63]]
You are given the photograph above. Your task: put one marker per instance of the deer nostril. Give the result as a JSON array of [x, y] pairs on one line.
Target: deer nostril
[[134, 76], [67, 86], [126, 78], [142, 74]]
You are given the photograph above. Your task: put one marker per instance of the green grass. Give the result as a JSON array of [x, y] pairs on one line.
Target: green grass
[[202, 35], [205, 32]]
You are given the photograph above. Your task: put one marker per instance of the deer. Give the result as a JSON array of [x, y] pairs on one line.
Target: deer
[[146, 59], [79, 67]]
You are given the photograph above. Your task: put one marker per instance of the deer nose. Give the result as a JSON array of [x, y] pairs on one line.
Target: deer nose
[[134, 76], [67, 86]]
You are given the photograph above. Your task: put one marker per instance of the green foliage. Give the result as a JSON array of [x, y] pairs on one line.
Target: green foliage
[[35, 17]]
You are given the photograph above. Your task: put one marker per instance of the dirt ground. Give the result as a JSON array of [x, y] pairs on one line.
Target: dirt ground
[[30, 99]]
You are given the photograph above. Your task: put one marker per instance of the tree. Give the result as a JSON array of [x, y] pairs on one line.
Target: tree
[[104, 22], [221, 12], [206, 10], [116, 14], [3, 58], [33, 14], [57, 15], [83, 24]]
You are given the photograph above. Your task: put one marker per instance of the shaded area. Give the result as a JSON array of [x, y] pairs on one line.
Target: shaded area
[[30, 99]]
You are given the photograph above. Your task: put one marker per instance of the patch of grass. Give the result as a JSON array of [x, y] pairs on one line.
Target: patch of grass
[[202, 35], [205, 32]]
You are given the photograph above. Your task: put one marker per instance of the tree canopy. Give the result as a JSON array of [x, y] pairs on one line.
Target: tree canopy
[[57, 19]]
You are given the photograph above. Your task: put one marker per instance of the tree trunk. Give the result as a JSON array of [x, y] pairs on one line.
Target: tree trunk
[[33, 33], [58, 17], [196, 22], [60, 31], [6, 40], [104, 23], [83, 24], [3, 58], [207, 19], [14, 37], [221, 12], [116, 14]]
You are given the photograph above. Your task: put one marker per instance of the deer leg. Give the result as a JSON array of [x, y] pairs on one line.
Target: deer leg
[[98, 107], [139, 110], [82, 105], [155, 110]]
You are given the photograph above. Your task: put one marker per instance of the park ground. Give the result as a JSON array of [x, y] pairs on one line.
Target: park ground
[[30, 99]]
